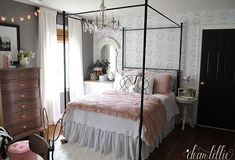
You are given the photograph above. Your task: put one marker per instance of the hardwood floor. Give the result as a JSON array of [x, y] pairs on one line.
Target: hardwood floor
[[178, 141]]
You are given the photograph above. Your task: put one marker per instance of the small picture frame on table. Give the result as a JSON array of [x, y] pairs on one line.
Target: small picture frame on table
[[181, 92]]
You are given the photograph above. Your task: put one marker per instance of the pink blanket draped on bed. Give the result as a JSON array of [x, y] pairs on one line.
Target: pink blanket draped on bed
[[127, 105]]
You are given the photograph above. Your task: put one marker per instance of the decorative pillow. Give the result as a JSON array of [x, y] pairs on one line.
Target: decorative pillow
[[132, 88], [118, 77], [148, 85], [123, 82], [162, 82], [136, 72]]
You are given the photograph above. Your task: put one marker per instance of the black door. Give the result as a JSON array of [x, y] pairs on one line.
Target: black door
[[216, 105]]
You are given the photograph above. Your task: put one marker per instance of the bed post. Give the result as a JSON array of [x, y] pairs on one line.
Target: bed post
[[64, 48], [123, 47], [143, 73], [178, 76]]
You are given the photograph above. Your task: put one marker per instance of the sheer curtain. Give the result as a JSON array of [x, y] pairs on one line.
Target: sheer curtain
[[50, 63], [75, 64]]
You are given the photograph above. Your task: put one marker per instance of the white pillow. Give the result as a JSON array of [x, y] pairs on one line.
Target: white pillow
[[117, 79], [148, 85], [123, 82]]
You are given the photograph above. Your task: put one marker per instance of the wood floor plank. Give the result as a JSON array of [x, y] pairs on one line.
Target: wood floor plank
[[178, 141]]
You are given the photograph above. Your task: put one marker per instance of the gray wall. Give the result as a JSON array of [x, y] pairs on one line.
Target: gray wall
[[87, 52], [28, 28], [29, 31]]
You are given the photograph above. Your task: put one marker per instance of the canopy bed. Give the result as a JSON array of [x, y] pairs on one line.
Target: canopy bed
[[126, 124]]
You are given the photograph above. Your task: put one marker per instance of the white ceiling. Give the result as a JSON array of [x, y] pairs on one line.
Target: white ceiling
[[165, 6]]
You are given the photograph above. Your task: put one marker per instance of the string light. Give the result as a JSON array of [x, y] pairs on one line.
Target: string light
[[36, 13], [29, 16], [22, 18], [3, 18]]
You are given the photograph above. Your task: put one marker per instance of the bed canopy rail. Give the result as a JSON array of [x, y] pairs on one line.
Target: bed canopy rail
[[155, 28], [146, 6], [108, 9]]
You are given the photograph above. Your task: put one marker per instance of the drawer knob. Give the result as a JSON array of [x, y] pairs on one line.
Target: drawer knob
[[21, 85], [21, 74], [23, 116], [24, 127], [22, 96], [23, 106]]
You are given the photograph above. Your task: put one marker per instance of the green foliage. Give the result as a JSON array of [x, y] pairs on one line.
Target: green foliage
[[104, 65], [26, 54]]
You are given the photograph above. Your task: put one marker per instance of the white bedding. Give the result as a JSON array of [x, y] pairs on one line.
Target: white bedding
[[92, 122]]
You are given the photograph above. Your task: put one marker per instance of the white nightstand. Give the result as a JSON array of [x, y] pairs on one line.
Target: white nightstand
[[97, 86], [185, 102]]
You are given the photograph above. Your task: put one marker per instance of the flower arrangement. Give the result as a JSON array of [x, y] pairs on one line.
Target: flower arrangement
[[25, 54], [100, 66]]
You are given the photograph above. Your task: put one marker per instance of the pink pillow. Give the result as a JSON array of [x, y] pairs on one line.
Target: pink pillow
[[162, 82]]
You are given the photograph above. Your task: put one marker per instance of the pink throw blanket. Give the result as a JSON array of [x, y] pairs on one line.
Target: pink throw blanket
[[127, 105]]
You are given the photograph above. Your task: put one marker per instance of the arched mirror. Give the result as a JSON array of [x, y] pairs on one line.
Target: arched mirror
[[108, 50]]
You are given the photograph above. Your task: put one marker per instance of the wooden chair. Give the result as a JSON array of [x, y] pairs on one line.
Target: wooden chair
[[42, 146], [39, 145]]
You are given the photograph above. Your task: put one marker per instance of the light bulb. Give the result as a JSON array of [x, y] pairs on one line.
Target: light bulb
[[21, 19], [29, 16], [3, 18], [36, 13]]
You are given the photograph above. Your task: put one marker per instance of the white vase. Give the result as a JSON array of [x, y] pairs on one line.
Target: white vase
[[103, 77], [24, 61]]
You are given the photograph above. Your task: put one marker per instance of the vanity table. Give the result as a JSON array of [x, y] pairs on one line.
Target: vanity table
[[97, 86]]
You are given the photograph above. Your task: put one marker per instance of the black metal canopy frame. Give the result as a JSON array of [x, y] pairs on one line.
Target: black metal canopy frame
[[146, 7]]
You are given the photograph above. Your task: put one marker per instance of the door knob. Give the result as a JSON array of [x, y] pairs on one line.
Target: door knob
[[202, 83]]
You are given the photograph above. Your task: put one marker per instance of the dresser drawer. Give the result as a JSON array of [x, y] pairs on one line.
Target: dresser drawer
[[22, 117], [6, 75], [12, 86], [24, 127], [11, 108], [20, 96]]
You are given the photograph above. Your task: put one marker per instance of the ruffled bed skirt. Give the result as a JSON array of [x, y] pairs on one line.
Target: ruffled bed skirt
[[105, 142]]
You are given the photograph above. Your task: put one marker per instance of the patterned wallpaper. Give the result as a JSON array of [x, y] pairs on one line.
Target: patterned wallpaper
[[163, 45]]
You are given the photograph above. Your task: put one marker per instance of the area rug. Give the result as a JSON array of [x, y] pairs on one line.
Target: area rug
[[75, 152]]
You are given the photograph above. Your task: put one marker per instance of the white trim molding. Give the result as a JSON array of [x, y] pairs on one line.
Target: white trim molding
[[110, 41]]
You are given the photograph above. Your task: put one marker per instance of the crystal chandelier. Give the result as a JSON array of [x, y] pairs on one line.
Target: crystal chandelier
[[101, 22]]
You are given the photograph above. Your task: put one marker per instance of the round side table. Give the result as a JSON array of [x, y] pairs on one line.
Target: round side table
[[185, 102]]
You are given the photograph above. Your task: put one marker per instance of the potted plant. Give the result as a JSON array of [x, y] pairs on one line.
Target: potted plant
[[25, 57], [99, 68]]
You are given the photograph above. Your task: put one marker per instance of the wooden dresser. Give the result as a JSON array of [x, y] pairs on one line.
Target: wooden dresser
[[20, 104]]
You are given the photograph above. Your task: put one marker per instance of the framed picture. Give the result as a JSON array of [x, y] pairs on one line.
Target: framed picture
[[180, 91], [9, 42]]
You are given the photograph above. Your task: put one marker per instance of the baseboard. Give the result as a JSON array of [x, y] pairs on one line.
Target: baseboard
[[223, 129]]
